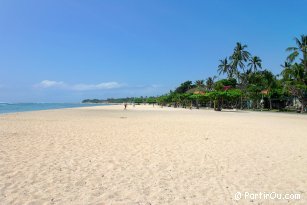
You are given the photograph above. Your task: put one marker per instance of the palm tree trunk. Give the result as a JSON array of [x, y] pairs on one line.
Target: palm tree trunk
[[270, 100]]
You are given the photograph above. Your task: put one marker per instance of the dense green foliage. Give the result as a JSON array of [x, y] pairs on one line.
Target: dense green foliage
[[136, 100], [93, 101]]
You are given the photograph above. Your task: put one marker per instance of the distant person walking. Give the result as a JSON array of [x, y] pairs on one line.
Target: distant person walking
[[125, 105]]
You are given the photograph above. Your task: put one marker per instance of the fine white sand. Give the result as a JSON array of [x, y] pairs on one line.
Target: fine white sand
[[146, 155]]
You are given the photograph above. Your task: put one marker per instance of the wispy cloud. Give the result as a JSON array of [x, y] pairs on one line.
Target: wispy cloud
[[100, 86], [78, 87], [50, 84]]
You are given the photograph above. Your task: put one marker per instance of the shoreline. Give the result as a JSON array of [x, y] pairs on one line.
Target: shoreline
[[48, 108], [158, 107]]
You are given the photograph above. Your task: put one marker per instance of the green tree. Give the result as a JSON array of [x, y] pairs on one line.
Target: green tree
[[239, 57], [228, 82], [225, 67], [187, 85], [295, 80], [233, 94], [138, 100], [210, 83], [199, 83], [270, 83], [219, 100], [254, 63], [213, 96], [151, 100], [286, 64], [300, 49]]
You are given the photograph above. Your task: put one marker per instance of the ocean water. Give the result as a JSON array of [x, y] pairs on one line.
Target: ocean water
[[23, 107]]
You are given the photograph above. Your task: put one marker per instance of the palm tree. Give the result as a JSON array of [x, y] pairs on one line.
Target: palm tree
[[225, 67], [210, 83], [199, 83], [286, 65], [295, 80], [244, 82], [239, 57], [270, 83], [296, 75], [301, 48], [254, 63]]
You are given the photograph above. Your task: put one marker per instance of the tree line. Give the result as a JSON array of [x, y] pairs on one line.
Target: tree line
[[248, 84], [244, 84]]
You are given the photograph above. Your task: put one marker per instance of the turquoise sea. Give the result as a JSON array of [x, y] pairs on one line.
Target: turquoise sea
[[23, 107]]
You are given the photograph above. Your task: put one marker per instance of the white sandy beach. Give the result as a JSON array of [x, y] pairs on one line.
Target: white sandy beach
[[146, 155]]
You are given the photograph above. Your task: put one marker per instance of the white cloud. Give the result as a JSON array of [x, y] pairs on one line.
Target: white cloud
[[78, 87], [50, 83], [100, 86]]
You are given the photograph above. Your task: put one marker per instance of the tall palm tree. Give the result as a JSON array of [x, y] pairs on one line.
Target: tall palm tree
[[254, 63], [225, 67], [301, 48], [239, 57]]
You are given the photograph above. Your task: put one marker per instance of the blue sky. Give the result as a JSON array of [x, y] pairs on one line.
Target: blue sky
[[68, 50]]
